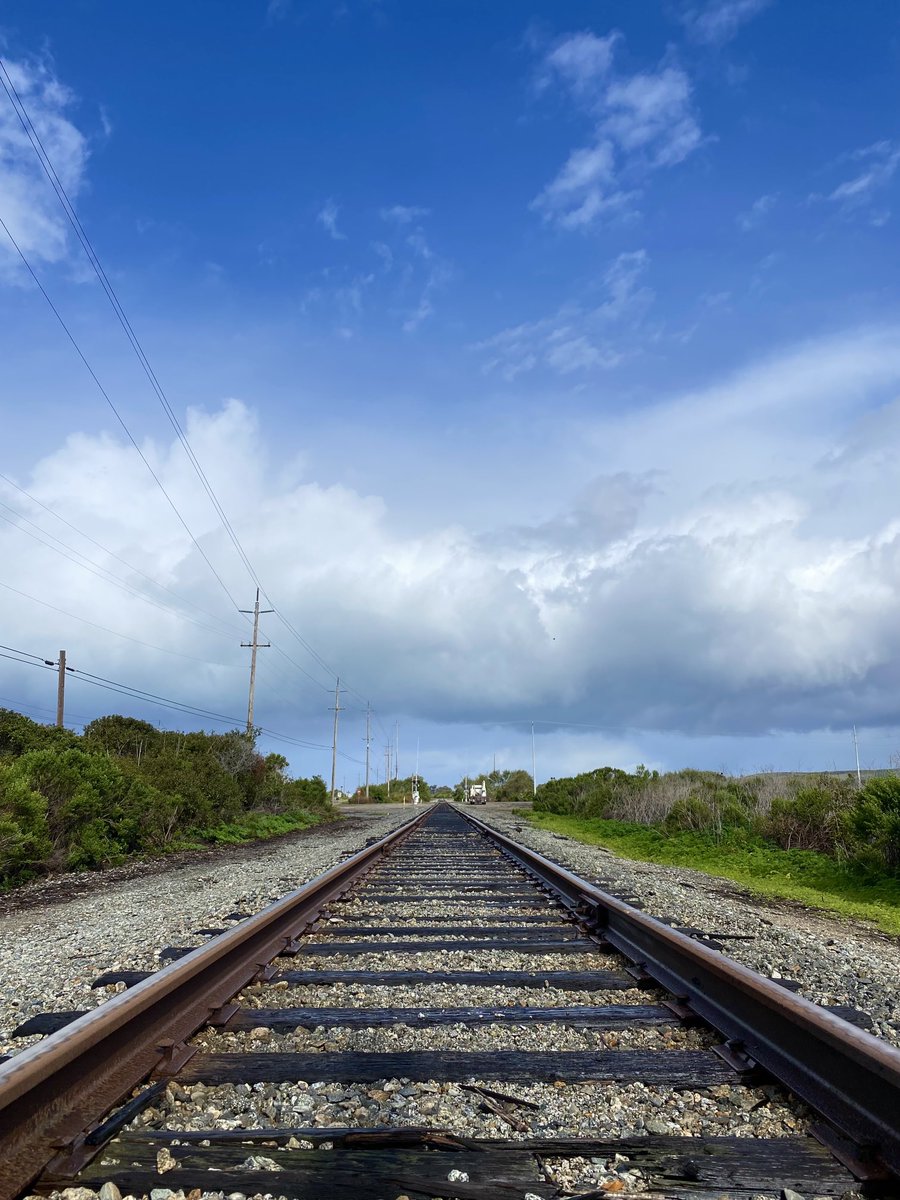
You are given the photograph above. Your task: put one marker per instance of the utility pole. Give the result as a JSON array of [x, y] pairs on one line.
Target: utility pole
[[337, 709], [397, 755], [254, 646], [387, 768], [61, 690], [368, 743], [533, 771], [855, 747]]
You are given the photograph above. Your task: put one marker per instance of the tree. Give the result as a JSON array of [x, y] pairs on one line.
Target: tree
[[517, 786]]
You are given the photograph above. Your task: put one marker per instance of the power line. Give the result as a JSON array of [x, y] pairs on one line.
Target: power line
[[95, 568], [112, 554], [27, 654], [115, 411], [103, 628], [68, 208], [137, 693], [143, 458]]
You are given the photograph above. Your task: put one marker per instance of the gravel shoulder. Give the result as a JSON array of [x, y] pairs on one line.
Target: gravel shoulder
[[52, 944], [835, 960]]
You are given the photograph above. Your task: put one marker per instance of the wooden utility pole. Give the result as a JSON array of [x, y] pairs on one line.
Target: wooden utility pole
[[254, 646], [61, 690], [368, 743], [337, 709], [387, 768]]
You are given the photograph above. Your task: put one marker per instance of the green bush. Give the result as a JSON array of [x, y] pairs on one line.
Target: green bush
[[24, 832], [125, 788], [812, 819], [874, 824], [591, 794], [690, 813]]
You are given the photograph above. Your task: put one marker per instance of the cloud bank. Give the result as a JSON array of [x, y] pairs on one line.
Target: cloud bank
[[732, 568]]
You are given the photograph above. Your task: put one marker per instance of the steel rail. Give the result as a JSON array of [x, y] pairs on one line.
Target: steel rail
[[56, 1091], [849, 1076]]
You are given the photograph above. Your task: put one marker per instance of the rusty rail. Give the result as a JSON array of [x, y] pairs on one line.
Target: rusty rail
[[54, 1093], [845, 1074]]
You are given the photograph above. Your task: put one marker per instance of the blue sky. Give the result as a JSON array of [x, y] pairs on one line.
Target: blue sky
[[544, 358]]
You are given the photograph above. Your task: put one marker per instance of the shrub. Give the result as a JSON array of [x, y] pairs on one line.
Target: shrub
[[812, 819], [690, 813], [874, 824], [24, 833]]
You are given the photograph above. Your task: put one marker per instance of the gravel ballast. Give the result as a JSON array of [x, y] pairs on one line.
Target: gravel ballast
[[125, 924], [835, 960], [51, 952]]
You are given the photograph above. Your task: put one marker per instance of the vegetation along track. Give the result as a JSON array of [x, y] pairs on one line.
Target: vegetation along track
[[448, 1014]]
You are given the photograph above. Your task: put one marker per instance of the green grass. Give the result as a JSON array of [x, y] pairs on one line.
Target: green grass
[[803, 875], [251, 827]]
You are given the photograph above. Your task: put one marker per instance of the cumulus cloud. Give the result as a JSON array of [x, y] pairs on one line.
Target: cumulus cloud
[[641, 123], [30, 207], [718, 22], [733, 567]]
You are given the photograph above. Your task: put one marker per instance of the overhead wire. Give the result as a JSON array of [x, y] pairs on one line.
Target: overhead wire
[[112, 554], [114, 632], [69, 210], [164, 701], [115, 411], [73, 556]]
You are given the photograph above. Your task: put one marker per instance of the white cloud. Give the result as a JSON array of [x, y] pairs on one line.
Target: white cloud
[[410, 275], [878, 165], [719, 21], [576, 338], [641, 123], [733, 568], [651, 112], [622, 280], [403, 214], [29, 206], [582, 61], [327, 218], [756, 213]]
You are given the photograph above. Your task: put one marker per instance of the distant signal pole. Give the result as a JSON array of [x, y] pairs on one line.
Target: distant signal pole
[[856, 748], [254, 646], [368, 743], [533, 769]]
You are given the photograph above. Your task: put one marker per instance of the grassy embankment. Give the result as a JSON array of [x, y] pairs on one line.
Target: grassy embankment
[[254, 827], [806, 876]]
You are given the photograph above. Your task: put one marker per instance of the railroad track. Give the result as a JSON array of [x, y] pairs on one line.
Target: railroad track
[[448, 1014]]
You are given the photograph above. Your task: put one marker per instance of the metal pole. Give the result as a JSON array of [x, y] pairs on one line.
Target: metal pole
[[856, 748], [533, 769], [368, 742], [337, 709], [61, 690]]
